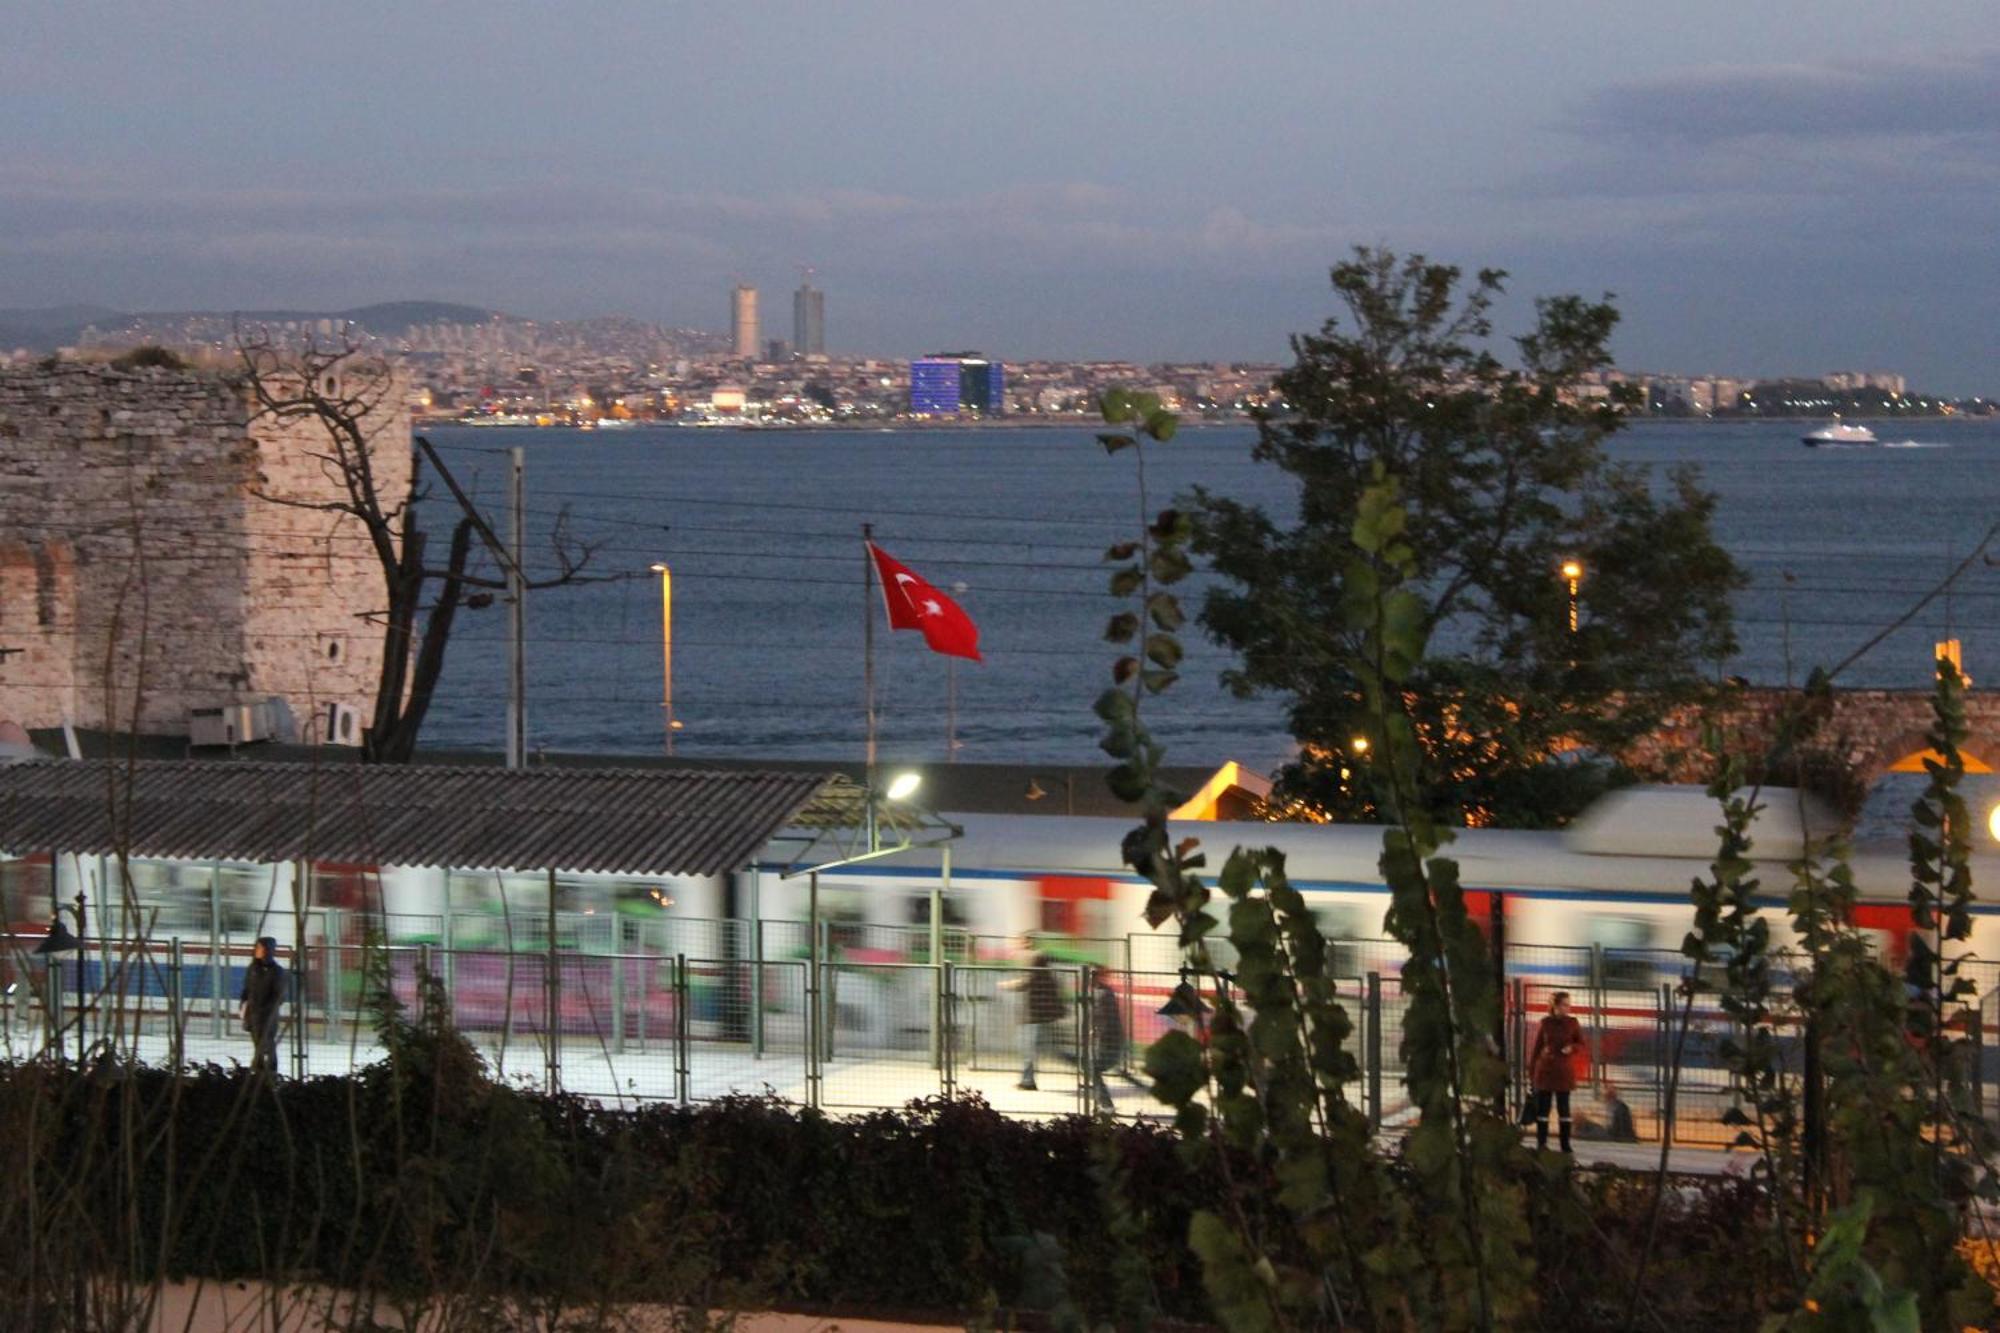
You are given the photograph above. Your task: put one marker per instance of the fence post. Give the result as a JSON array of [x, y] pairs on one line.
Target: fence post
[[215, 986], [1125, 1052], [552, 993], [949, 1047], [1597, 989], [683, 1002], [177, 1009], [617, 1004], [1663, 1023], [1086, 1057], [1373, 1019], [757, 988]]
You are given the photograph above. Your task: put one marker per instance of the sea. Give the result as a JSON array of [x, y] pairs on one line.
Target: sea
[[1845, 548]]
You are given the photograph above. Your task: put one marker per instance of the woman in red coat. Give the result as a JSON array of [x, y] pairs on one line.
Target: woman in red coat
[[1552, 1063]]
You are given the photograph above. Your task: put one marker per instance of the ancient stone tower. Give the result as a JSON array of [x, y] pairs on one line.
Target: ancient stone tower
[[146, 567]]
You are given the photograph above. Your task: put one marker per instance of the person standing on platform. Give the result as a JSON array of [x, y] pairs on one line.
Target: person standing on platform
[[1042, 1008], [1107, 1037], [262, 998], [1552, 1063]]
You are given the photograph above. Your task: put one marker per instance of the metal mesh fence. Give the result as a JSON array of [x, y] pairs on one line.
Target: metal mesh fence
[[873, 1022]]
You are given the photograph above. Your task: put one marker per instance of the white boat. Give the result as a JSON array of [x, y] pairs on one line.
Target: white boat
[[1839, 432]]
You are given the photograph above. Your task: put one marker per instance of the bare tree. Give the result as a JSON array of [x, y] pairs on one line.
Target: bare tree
[[349, 395]]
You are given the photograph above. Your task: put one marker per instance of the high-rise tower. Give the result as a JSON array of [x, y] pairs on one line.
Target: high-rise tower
[[809, 319], [743, 323]]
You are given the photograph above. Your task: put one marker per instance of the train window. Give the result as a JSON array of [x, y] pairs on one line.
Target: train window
[[1626, 945], [252, 900], [920, 910], [1341, 924]]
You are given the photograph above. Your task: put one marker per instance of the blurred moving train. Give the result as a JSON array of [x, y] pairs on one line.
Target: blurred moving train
[[1617, 881]]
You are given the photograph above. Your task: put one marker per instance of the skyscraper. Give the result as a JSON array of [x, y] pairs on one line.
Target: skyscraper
[[743, 323], [809, 320]]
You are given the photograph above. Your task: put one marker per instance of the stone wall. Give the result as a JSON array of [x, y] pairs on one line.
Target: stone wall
[[145, 573]]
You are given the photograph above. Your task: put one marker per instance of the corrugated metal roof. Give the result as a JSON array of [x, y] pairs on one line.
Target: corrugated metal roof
[[613, 820]]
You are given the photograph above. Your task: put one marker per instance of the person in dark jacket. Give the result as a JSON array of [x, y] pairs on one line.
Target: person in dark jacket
[[1041, 1009], [1107, 1037], [1552, 1063], [263, 996]]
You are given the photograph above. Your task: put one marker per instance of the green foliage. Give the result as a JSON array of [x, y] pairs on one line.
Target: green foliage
[[1317, 1229], [149, 356], [1501, 478]]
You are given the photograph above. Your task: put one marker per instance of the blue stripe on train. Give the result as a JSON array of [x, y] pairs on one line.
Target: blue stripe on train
[[879, 870]]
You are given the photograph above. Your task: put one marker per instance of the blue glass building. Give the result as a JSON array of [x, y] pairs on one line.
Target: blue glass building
[[948, 383]]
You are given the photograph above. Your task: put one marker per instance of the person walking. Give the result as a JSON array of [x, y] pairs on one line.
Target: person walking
[[1552, 1063], [1042, 1008], [1107, 1037], [262, 997]]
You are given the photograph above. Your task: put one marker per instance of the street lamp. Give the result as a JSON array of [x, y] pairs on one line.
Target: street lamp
[[58, 941], [671, 723], [1572, 570]]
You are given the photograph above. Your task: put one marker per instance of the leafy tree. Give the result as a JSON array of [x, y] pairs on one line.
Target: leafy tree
[[1504, 479]]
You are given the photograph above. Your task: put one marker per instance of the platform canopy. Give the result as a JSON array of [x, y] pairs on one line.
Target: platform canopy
[[636, 821]]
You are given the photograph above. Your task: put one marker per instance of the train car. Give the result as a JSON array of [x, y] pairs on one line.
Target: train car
[[1616, 882]]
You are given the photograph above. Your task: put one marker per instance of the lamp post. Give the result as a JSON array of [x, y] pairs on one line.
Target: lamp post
[[59, 941], [670, 722], [1572, 571]]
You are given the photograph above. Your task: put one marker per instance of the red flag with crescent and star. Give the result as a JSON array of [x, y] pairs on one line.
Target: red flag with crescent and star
[[912, 603]]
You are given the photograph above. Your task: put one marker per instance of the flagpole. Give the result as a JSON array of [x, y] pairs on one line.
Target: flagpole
[[868, 642], [951, 696]]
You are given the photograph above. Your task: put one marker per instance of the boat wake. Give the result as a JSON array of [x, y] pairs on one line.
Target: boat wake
[[1915, 444]]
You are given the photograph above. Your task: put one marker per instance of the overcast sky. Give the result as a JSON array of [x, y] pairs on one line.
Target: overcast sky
[[1767, 187]]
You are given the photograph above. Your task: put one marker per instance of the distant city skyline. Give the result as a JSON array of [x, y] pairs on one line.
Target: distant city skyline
[[1765, 188]]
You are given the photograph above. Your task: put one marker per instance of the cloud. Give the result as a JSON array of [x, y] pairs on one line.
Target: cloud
[[79, 227], [1927, 96]]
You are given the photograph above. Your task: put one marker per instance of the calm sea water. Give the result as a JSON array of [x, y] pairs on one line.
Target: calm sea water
[[762, 531]]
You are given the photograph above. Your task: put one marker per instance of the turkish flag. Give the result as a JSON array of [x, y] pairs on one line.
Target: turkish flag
[[912, 603]]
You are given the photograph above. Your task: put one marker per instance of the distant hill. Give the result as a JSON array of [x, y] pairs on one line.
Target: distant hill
[[395, 316], [51, 327], [44, 330]]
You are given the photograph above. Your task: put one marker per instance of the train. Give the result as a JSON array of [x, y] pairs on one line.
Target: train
[[1614, 884]]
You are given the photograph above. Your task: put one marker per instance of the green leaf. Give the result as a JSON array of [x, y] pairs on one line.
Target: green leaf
[[1122, 551], [1126, 581], [1165, 609], [1114, 706], [1121, 627], [1127, 782], [1124, 669], [1156, 682], [1162, 650], [1115, 406], [1170, 565], [1174, 1064], [1114, 442], [1161, 425]]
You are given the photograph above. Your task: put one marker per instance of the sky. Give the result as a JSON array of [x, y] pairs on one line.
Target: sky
[[1768, 188]]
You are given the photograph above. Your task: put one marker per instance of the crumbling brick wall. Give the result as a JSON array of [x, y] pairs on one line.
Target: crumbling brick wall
[[145, 573]]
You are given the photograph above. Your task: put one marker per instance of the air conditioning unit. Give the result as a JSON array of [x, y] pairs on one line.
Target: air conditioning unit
[[342, 725]]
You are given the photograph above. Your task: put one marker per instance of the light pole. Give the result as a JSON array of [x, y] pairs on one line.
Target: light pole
[[669, 721], [1572, 570]]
